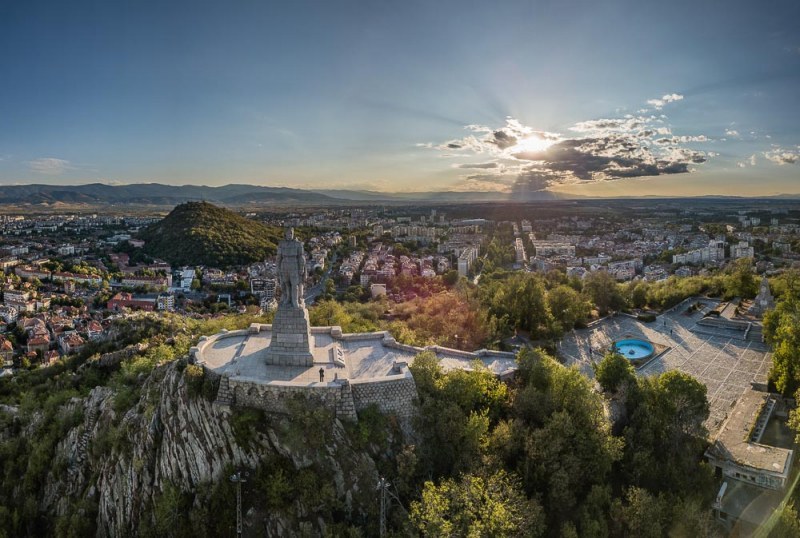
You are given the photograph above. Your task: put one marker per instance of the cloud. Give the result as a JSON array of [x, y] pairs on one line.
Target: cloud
[[658, 104], [748, 162], [732, 132], [606, 149], [49, 166], [783, 156]]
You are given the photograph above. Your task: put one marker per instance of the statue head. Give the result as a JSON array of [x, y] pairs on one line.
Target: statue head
[[289, 233]]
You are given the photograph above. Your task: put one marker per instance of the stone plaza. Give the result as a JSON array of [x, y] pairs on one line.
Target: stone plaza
[[727, 361]]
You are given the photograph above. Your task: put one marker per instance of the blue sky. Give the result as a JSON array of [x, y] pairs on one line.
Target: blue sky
[[595, 98]]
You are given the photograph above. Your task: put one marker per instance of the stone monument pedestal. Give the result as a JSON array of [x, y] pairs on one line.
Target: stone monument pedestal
[[291, 338]]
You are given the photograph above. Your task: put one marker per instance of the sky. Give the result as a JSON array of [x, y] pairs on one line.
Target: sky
[[595, 98]]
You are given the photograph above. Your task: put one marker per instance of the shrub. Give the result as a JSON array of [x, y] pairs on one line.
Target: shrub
[[195, 378]]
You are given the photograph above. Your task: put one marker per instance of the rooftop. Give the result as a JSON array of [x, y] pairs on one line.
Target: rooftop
[[735, 439]]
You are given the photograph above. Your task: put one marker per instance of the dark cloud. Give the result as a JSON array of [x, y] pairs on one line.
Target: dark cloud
[[479, 166], [503, 140]]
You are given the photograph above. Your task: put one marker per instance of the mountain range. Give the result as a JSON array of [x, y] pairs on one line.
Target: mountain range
[[170, 195]]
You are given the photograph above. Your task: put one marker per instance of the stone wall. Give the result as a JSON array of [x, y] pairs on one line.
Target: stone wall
[[392, 394], [274, 397]]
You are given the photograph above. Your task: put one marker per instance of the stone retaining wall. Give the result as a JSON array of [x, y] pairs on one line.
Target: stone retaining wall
[[392, 394], [274, 397]]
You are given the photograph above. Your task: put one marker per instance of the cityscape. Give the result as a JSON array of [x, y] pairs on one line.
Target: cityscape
[[329, 269]]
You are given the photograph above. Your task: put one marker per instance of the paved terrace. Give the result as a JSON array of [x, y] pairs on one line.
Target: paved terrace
[[723, 361], [360, 356]]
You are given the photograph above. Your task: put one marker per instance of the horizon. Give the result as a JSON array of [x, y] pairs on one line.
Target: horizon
[[592, 101], [404, 196]]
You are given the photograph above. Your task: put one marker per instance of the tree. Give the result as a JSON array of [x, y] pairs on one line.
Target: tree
[[666, 436], [781, 332], [563, 442], [329, 290], [642, 515], [740, 280], [456, 411], [450, 277], [567, 306], [492, 506], [604, 292], [614, 372]]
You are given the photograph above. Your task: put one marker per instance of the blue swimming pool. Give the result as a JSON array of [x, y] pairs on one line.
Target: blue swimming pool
[[634, 349]]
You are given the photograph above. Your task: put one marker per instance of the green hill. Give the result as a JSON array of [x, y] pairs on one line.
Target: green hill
[[199, 233]]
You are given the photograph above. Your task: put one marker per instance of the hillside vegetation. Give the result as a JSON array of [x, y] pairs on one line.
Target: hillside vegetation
[[199, 233]]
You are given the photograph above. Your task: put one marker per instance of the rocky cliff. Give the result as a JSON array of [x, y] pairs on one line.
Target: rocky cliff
[[163, 466]]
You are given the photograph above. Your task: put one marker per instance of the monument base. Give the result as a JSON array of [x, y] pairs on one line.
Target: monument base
[[291, 338]]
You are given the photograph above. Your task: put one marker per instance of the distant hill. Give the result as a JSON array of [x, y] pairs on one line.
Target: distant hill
[[199, 233]]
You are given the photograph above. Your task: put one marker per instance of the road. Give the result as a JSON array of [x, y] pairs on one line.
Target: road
[[314, 291]]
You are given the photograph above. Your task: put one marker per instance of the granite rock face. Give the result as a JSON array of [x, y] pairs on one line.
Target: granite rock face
[[170, 437]]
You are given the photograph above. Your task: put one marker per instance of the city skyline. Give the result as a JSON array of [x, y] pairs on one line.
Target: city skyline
[[587, 99]]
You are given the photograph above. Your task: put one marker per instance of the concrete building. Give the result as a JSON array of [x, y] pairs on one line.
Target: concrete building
[[165, 302], [737, 450], [466, 259], [714, 252], [519, 250], [552, 248], [263, 287], [742, 250]]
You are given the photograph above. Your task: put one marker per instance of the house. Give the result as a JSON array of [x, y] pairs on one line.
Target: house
[[71, 343], [94, 331], [39, 342], [6, 352]]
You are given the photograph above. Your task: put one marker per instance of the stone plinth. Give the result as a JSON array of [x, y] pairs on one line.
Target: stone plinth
[[291, 338]]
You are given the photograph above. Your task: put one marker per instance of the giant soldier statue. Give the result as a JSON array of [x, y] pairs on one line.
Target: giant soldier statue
[[290, 343], [291, 270]]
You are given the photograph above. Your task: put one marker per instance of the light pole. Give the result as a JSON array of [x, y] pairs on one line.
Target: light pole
[[238, 477], [383, 486]]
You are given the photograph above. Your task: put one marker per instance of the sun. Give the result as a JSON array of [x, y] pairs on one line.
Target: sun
[[531, 144]]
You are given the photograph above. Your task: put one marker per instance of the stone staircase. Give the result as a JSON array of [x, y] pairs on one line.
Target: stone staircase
[[346, 407], [224, 394]]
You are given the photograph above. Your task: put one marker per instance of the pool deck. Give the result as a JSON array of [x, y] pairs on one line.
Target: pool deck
[[725, 364]]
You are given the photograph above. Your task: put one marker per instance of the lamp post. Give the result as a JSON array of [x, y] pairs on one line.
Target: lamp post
[[238, 477]]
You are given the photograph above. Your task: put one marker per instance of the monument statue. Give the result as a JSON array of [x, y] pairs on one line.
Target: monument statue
[[291, 270], [290, 343]]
